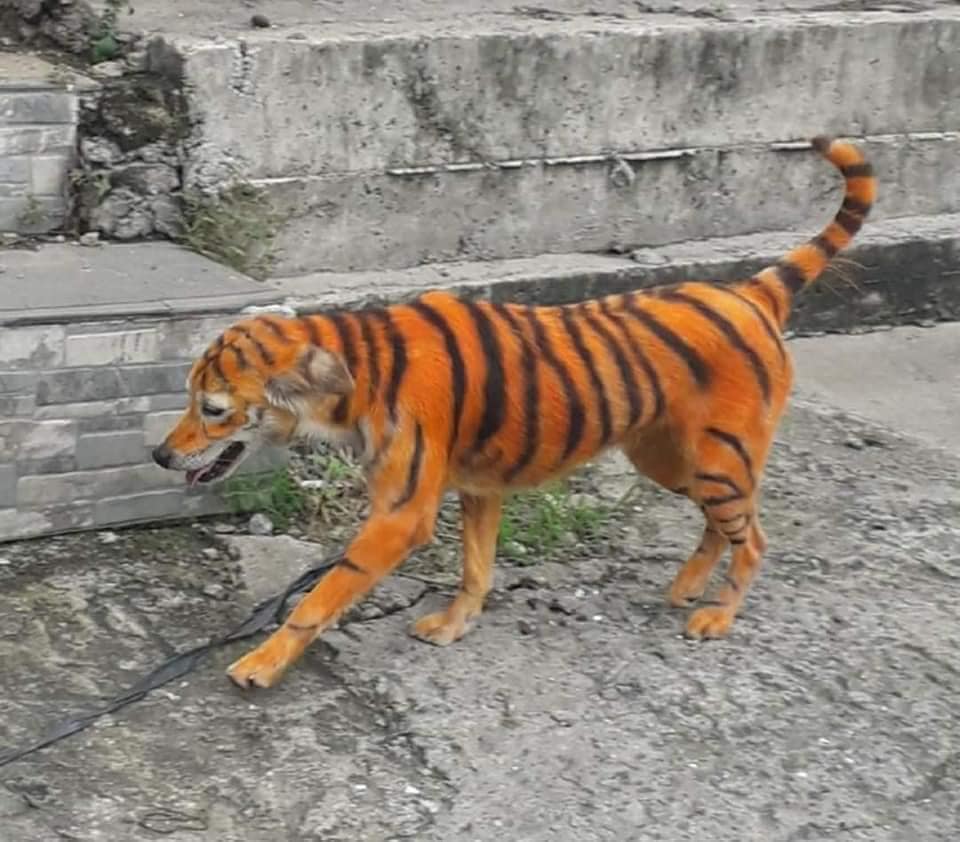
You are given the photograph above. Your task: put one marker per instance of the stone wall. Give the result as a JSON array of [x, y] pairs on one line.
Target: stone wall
[[129, 158], [64, 24], [38, 129], [81, 405]]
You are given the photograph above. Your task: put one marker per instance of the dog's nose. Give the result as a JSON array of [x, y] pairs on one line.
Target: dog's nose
[[162, 455]]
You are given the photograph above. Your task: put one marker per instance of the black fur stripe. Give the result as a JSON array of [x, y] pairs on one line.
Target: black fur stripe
[[494, 387], [720, 479], [768, 295], [729, 330], [217, 365], [215, 348], [719, 501], [370, 350], [242, 362], [743, 516], [260, 348], [697, 365], [397, 356], [634, 400], [204, 369], [458, 371], [569, 321], [531, 396], [734, 442], [822, 242], [848, 221], [771, 331], [413, 474], [864, 170], [854, 205], [638, 354], [350, 565], [791, 276], [341, 324], [277, 331], [572, 398], [313, 330]]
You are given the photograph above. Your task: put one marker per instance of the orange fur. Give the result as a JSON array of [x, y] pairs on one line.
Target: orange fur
[[689, 380]]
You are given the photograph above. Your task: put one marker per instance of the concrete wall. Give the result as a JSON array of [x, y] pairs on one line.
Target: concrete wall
[[391, 221], [550, 140], [81, 405]]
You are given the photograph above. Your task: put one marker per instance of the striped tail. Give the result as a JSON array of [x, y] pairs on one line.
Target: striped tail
[[798, 268]]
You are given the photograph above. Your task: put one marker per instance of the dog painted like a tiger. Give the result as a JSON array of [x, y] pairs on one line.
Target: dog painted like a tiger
[[689, 380]]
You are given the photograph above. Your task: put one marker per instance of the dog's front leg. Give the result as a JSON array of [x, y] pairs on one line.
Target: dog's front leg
[[406, 494]]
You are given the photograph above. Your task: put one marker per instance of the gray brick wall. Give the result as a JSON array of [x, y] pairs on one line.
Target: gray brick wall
[[38, 130], [112, 347], [8, 486], [81, 405], [113, 447]]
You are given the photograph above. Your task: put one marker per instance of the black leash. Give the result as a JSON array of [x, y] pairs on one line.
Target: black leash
[[269, 611]]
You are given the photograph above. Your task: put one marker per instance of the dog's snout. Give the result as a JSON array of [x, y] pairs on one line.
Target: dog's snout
[[162, 455]]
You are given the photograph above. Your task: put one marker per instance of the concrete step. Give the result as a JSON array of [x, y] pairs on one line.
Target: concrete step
[[898, 271], [486, 136]]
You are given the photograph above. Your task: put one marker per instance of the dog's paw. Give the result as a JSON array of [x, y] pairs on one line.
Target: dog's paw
[[711, 622], [261, 667], [685, 591], [439, 629]]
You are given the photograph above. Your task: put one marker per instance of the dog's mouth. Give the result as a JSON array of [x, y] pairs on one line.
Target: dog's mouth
[[218, 467]]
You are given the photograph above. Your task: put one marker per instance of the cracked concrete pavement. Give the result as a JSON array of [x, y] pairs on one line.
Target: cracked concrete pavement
[[575, 710]]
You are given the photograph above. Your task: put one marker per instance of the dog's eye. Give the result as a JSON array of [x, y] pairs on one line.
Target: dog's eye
[[211, 411]]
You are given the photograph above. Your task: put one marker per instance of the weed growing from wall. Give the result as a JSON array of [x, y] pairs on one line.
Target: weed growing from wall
[[105, 45], [236, 227]]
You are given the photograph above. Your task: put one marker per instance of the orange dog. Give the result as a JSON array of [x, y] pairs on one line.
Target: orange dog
[[689, 380]]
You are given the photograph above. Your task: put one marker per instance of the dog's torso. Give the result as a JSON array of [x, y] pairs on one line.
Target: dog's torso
[[689, 381]]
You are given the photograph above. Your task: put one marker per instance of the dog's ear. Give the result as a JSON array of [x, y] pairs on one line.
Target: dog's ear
[[317, 374]]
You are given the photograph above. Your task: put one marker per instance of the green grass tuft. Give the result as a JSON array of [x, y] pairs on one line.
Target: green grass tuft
[[538, 524], [236, 227], [276, 494]]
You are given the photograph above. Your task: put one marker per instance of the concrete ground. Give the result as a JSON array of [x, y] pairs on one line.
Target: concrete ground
[[54, 282], [907, 378], [575, 710]]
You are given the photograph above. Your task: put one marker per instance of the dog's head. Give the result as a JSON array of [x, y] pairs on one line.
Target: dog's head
[[261, 381]]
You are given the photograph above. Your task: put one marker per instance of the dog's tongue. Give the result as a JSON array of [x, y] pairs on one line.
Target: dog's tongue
[[193, 477]]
